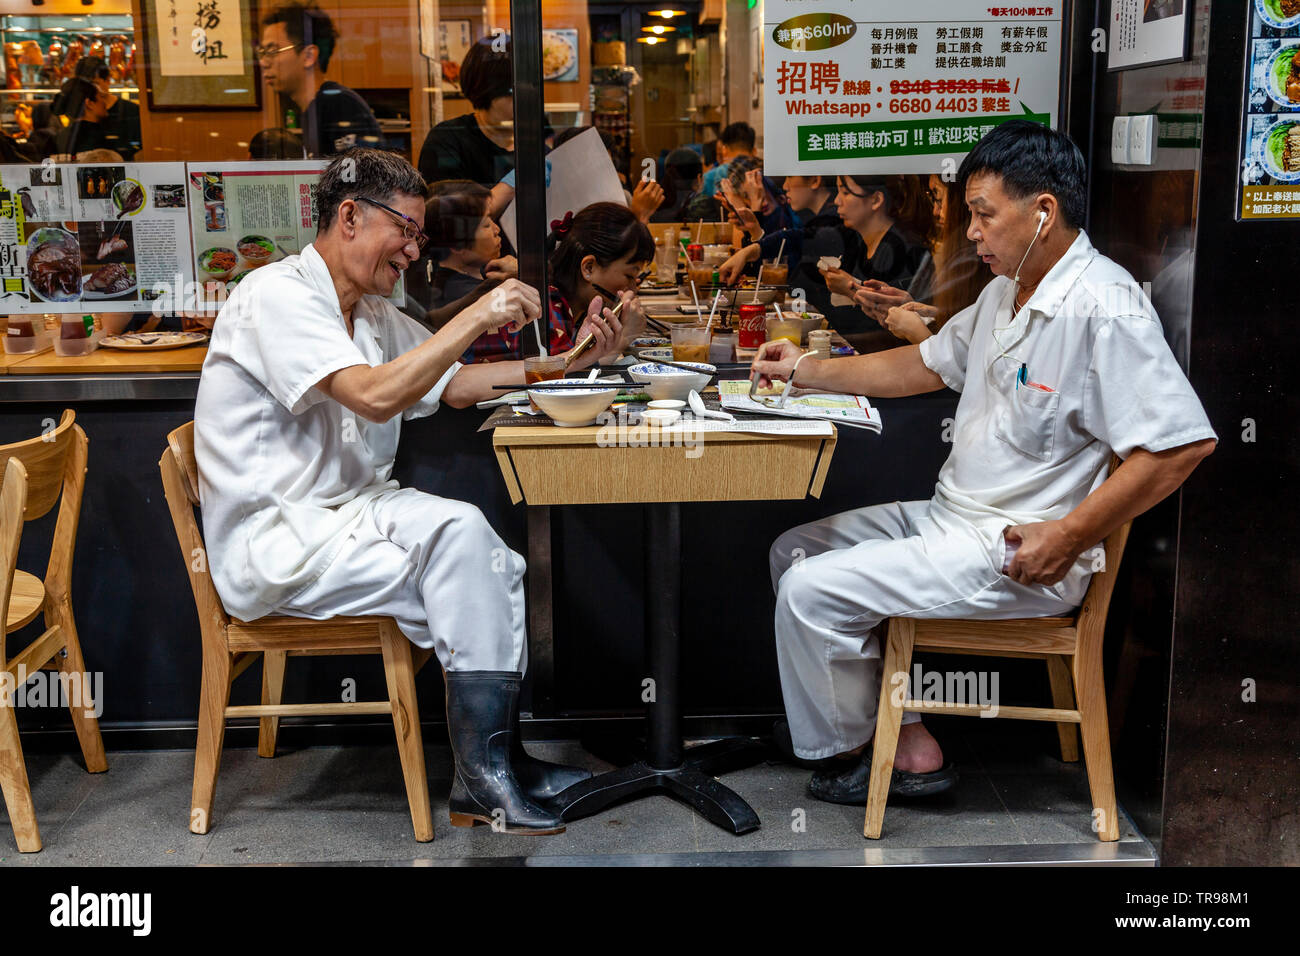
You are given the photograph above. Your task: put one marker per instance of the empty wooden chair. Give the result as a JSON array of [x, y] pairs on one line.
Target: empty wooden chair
[[1071, 647], [231, 645], [54, 466]]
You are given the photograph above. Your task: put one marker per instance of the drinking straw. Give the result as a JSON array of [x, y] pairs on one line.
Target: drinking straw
[[716, 297], [758, 282], [696, 297], [779, 252], [699, 230]]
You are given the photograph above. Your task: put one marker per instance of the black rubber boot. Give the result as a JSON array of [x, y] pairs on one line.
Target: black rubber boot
[[482, 707], [540, 779]]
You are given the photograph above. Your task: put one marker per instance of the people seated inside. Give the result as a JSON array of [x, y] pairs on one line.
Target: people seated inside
[[1061, 362], [598, 258], [736, 140], [309, 376], [877, 249], [683, 199], [462, 260]]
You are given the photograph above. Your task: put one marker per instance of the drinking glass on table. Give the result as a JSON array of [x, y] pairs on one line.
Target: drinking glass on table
[[542, 368], [690, 343]]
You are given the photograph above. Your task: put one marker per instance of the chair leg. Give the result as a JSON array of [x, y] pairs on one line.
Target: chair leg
[[13, 781], [213, 699], [83, 712], [1058, 672], [400, 675], [889, 720], [272, 690], [1091, 691]]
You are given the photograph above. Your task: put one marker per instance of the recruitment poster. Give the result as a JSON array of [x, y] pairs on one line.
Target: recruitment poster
[[86, 237], [873, 86], [1270, 141]]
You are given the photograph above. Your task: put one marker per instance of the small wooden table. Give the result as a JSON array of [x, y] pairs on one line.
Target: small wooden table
[[548, 465]]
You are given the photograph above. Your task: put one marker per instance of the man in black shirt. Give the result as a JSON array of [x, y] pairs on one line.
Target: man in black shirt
[[297, 40], [479, 146], [121, 125]]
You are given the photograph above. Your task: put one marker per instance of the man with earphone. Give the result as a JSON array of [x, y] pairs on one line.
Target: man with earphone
[[1061, 362]]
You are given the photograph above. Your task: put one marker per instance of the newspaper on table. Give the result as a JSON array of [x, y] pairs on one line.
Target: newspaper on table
[[80, 237], [852, 410]]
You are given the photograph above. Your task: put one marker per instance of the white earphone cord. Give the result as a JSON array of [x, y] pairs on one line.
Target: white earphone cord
[[1042, 218]]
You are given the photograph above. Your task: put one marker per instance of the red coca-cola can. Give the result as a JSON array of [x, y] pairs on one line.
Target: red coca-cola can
[[752, 326], [695, 252]]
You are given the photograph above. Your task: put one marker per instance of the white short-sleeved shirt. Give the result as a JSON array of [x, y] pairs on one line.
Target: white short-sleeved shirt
[[284, 471], [1024, 454]]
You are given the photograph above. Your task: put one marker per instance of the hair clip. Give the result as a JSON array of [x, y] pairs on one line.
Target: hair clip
[[561, 226]]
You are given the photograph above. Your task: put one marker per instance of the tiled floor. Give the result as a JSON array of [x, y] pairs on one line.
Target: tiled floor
[[347, 804]]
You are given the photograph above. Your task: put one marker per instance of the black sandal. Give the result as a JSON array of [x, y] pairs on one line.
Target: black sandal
[[850, 787]]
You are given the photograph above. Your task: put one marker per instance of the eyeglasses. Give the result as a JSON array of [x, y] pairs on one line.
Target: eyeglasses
[[410, 228], [266, 52]]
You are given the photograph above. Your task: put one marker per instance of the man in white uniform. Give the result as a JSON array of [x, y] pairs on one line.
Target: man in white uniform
[[310, 372], [1060, 362]]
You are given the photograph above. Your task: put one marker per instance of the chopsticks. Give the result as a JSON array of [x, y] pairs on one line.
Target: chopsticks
[[554, 384]]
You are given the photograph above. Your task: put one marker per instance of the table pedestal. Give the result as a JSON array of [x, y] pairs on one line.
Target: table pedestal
[[686, 774]]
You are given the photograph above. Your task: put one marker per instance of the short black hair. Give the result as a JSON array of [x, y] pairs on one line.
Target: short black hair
[[486, 73], [72, 97], [738, 134], [307, 25], [91, 68], [452, 215], [1030, 159], [275, 143], [363, 173]]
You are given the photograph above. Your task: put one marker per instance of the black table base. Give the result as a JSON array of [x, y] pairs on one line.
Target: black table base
[[687, 775]]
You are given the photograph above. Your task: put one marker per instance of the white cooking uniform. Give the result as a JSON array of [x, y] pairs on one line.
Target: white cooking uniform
[[1020, 455], [300, 513]]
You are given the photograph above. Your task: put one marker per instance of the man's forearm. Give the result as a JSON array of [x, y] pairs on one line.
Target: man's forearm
[[894, 373], [395, 386], [1141, 482]]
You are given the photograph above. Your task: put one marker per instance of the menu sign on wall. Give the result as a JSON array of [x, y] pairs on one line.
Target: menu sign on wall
[[245, 215], [872, 87], [1270, 162], [81, 237]]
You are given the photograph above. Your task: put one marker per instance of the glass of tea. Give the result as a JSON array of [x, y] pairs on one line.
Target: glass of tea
[[690, 343], [542, 368]]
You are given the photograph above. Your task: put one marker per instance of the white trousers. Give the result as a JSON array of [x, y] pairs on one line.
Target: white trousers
[[836, 579], [437, 567]]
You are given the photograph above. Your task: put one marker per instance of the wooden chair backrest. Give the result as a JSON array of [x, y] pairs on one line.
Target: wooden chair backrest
[[180, 477], [56, 471], [45, 457], [13, 500]]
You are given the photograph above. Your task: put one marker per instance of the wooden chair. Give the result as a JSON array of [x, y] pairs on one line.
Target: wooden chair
[[1071, 647], [231, 645], [54, 467]]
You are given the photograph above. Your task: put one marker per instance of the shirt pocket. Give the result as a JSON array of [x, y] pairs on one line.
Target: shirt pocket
[[1028, 422]]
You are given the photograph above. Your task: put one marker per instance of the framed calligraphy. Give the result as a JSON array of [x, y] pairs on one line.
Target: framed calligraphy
[[199, 54]]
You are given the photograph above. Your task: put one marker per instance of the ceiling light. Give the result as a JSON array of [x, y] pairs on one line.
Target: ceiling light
[[667, 14], [658, 29], [652, 40]]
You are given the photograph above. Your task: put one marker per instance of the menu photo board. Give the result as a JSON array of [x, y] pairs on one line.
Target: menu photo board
[[89, 237], [867, 86], [244, 215], [1270, 141]]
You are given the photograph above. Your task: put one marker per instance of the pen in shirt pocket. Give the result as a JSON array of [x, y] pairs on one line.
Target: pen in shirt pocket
[[1022, 378]]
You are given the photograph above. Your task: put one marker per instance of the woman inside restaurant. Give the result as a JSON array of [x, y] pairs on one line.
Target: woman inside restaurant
[[80, 101], [954, 276], [463, 259], [814, 234], [603, 249], [478, 146], [879, 248], [121, 123]]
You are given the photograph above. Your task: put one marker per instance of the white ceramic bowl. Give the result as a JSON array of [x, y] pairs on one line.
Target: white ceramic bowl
[[573, 407], [660, 417], [656, 355], [665, 381]]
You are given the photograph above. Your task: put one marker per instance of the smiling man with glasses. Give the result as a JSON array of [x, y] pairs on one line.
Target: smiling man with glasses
[[309, 375], [297, 43]]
